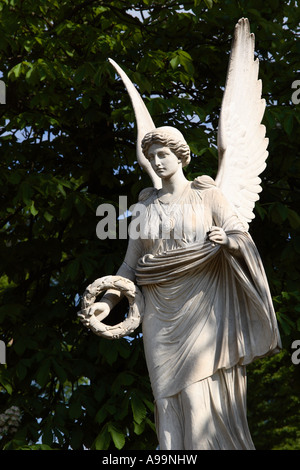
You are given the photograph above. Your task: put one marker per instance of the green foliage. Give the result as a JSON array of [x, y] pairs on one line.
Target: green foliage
[[68, 145], [274, 403]]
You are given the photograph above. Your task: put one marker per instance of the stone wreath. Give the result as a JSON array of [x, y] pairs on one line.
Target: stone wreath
[[135, 300]]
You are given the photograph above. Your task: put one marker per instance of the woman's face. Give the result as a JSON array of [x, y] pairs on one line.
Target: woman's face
[[163, 161]]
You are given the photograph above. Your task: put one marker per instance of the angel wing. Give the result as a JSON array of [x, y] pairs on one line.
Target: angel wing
[[242, 145], [144, 123]]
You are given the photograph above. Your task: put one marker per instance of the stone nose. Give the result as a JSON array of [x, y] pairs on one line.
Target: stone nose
[[156, 161]]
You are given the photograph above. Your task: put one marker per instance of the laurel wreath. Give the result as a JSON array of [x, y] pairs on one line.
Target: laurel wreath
[[135, 300]]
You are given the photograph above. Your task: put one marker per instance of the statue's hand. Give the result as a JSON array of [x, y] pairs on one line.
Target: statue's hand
[[217, 235], [100, 310], [93, 315]]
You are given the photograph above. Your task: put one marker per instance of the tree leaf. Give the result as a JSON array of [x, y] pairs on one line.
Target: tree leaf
[[117, 436], [103, 439], [43, 372], [138, 408]]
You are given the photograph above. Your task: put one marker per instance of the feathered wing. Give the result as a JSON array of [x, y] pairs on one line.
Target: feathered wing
[[144, 122], [242, 145]]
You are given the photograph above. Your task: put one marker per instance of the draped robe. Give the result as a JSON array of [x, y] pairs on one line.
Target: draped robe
[[208, 311]]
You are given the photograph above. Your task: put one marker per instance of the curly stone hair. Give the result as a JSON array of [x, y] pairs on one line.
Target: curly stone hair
[[169, 137]]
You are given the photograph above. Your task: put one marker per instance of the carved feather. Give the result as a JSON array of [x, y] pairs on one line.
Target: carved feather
[[143, 120], [242, 144]]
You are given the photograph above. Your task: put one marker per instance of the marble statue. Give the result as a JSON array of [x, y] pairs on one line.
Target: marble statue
[[205, 308]]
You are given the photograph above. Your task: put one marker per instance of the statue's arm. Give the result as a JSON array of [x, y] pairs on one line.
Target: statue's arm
[[225, 220], [127, 270]]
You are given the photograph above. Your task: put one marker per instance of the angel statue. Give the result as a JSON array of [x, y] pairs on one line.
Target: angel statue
[[206, 309]]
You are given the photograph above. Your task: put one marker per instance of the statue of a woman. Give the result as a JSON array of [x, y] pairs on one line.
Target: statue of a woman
[[208, 310]]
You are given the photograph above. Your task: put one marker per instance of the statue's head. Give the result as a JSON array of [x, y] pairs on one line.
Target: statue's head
[[168, 137]]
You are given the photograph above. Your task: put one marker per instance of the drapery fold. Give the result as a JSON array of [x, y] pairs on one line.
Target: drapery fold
[[205, 310], [208, 415]]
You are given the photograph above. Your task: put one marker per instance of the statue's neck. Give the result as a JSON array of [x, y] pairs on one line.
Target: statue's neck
[[172, 187]]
